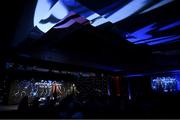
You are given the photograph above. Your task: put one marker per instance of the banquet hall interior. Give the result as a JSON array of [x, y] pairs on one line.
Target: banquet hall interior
[[90, 59]]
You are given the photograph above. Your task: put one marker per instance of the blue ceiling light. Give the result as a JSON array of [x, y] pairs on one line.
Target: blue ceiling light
[[154, 39], [49, 13], [45, 27], [96, 20], [157, 5], [59, 10], [99, 21], [164, 40], [93, 16], [83, 11], [109, 8], [175, 71], [141, 33], [115, 15], [79, 9], [177, 23], [127, 10], [145, 34], [134, 75], [71, 3], [42, 7], [44, 10]]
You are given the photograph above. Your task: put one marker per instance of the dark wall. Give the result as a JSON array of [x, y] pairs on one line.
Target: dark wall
[[138, 87], [25, 22]]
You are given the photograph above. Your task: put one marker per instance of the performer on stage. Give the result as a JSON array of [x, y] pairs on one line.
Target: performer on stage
[[56, 89]]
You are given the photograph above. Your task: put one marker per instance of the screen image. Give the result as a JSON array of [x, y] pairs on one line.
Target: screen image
[[164, 84], [39, 88]]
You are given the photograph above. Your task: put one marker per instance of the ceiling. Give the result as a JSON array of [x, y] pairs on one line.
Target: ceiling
[[117, 38]]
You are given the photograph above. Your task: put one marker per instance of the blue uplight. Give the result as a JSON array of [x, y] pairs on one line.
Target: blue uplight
[[109, 88], [129, 91], [175, 71]]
